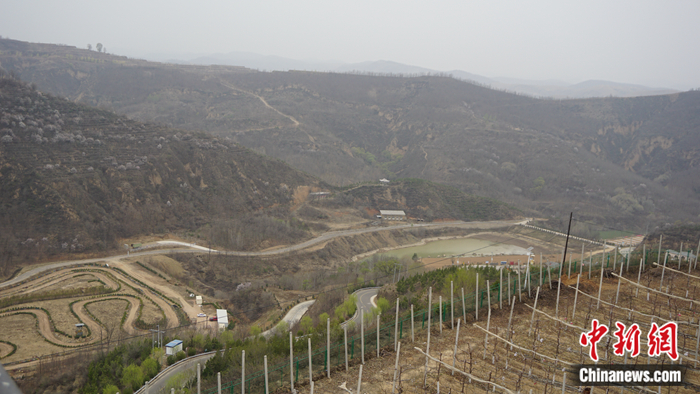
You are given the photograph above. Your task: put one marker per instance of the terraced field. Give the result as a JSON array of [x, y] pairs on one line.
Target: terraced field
[[39, 315]]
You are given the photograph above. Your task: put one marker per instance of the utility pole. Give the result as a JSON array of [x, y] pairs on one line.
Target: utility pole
[[157, 341]]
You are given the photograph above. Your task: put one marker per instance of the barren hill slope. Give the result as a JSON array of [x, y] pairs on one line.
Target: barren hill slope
[[616, 161], [77, 179]]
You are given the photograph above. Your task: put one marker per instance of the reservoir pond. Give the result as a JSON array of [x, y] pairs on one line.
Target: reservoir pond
[[469, 247]]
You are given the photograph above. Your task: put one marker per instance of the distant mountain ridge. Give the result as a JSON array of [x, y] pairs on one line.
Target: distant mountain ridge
[[553, 89]]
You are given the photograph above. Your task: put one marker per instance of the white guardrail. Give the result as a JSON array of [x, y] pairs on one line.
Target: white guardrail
[[167, 370]]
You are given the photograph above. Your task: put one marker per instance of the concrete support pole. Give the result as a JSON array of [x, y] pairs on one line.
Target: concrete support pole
[[583, 246], [488, 295], [697, 252], [639, 277], [427, 348], [464, 306], [573, 313], [600, 287], [541, 278], [520, 289], [697, 344], [549, 272], [476, 297], [311, 370], [378, 318], [454, 354], [345, 335], [486, 337], [500, 290], [527, 280], [396, 325], [362, 335], [396, 367], [243, 372], [413, 338], [690, 260], [328, 346], [359, 381], [452, 304], [508, 288], [663, 271], [291, 361], [510, 319], [199, 378], [615, 260], [563, 384], [680, 256], [534, 308], [569, 274], [267, 383], [218, 383], [658, 256], [440, 298]]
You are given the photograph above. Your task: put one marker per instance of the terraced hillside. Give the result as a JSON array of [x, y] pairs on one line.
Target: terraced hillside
[[39, 315]]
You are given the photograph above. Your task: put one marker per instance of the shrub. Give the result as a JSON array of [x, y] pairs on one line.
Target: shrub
[[132, 377], [191, 351], [383, 304], [172, 360], [110, 389], [180, 355], [149, 368]]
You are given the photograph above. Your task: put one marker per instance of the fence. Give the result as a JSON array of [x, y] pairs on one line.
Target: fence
[[278, 375]]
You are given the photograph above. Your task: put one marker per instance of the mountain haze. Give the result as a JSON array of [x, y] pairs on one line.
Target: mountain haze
[[551, 89]]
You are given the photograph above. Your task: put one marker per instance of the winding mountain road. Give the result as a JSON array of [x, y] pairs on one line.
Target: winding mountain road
[[300, 246], [365, 303], [292, 317]]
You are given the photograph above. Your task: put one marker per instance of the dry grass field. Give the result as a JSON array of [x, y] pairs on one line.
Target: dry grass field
[[109, 312], [21, 330]]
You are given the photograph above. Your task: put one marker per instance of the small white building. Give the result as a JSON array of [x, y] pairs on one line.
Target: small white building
[[198, 300], [392, 215], [172, 347], [222, 318], [384, 181]]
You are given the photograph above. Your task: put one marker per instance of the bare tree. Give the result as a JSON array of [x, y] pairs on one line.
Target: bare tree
[[89, 47]]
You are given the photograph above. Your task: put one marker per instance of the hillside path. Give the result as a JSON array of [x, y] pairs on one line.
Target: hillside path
[[296, 122]]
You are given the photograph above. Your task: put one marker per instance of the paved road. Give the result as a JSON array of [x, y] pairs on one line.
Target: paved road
[[292, 317], [365, 298], [322, 238], [157, 384]]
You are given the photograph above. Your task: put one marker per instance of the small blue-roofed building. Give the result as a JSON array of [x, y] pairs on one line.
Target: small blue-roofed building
[[172, 347]]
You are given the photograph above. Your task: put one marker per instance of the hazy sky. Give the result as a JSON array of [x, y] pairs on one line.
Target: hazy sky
[[646, 42]]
